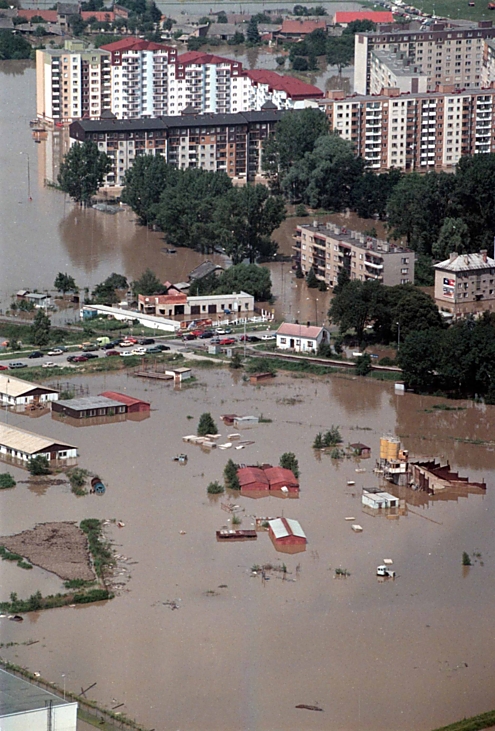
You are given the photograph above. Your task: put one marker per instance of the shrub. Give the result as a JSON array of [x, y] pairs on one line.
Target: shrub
[[215, 488], [236, 519], [77, 478], [236, 361], [332, 437], [39, 465], [6, 480], [230, 476], [363, 365], [206, 425], [289, 461], [318, 442], [301, 210], [466, 560]]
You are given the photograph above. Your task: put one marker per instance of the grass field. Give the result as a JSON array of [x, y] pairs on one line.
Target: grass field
[[457, 9]]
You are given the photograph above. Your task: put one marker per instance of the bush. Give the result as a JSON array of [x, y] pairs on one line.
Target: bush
[[363, 365], [206, 425], [301, 210], [466, 560], [77, 478], [318, 442], [215, 488], [39, 465], [289, 461], [332, 437], [300, 64], [6, 481], [386, 361], [235, 361]]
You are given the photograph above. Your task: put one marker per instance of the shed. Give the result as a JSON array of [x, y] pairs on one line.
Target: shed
[[16, 392], [179, 374], [228, 419], [280, 477], [286, 532], [378, 500], [24, 705], [253, 478], [21, 445], [257, 377], [361, 450], [244, 421], [134, 405], [83, 408]]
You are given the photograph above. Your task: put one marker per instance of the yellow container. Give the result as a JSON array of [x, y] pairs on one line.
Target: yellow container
[[383, 448], [393, 449]]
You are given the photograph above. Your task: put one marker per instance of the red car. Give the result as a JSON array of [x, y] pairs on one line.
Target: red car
[[4, 368], [112, 352], [227, 341], [80, 359]]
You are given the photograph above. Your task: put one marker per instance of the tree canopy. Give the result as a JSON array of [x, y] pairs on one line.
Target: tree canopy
[[40, 329], [249, 278], [83, 171], [148, 284], [144, 183], [13, 46], [65, 283]]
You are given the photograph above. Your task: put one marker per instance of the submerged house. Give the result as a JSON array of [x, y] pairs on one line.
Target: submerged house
[[89, 406], [20, 446], [286, 533], [267, 478], [134, 405], [377, 499], [16, 392]]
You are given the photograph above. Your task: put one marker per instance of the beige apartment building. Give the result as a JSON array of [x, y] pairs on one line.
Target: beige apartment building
[[465, 283], [328, 248], [445, 52], [419, 132]]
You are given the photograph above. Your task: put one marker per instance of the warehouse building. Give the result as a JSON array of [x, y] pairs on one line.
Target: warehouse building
[[134, 405], [16, 392], [287, 535], [88, 406], [20, 446], [27, 707]]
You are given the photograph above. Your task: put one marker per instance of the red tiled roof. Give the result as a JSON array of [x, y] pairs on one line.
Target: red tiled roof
[[177, 298], [101, 16], [281, 474], [49, 15], [135, 44], [123, 398], [299, 331], [203, 58], [376, 16], [293, 87], [302, 27], [250, 475]]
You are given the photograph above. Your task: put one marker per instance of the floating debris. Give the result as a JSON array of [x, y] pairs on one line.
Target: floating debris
[[309, 708], [357, 528]]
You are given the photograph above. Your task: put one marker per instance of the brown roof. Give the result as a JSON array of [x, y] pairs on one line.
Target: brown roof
[[302, 27], [248, 475], [281, 474], [299, 331]]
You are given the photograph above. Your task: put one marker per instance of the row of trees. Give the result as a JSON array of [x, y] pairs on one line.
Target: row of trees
[[201, 209]]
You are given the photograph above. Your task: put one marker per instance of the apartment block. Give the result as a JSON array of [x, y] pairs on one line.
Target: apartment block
[[328, 248], [228, 142], [465, 284], [73, 82], [393, 70], [415, 131], [447, 53]]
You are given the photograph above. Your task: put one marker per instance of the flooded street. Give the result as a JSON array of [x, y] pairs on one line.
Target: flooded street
[[409, 654], [240, 653]]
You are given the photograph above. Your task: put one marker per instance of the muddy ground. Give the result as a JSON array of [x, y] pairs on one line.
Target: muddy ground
[[61, 548]]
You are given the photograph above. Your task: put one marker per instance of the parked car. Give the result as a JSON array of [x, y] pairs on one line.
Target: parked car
[[215, 340], [162, 347], [71, 358], [89, 348], [206, 334], [112, 352], [127, 353], [228, 341], [146, 341], [126, 344], [50, 364], [79, 359], [223, 330], [139, 351], [90, 355], [4, 368], [55, 351], [154, 349], [268, 336], [17, 364], [111, 345], [36, 354], [198, 332], [189, 336], [250, 338]]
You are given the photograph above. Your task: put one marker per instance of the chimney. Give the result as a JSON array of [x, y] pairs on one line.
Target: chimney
[[453, 256], [484, 254]]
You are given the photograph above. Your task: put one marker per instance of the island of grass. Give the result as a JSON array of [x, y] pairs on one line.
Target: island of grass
[[78, 554]]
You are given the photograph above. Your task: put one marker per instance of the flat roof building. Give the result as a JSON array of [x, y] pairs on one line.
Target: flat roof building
[[27, 707]]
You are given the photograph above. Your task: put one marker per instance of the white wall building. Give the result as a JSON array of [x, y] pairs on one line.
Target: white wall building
[[27, 707], [301, 338], [16, 392]]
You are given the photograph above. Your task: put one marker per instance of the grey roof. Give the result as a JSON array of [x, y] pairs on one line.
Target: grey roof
[[27, 442], [89, 402], [6, 23], [17, 695], [466, 263], [12, 386], [225, 29], [207, 267], [68, 8]]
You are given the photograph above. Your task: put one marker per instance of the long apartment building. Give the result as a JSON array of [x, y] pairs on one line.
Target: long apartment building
[[228, 142], [419, 132], [134, 78], [445, 53], [328, 248]]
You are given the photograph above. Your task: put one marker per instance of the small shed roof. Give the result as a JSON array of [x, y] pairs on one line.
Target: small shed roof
[[283, 527], [13, 386], [207, 267], [123, 398], [359, 445], [89, 402], [299, 331], [27, 442]]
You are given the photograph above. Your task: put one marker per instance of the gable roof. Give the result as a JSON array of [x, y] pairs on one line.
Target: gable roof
[[49, 15], [102, 16], [13, 386], [204, 58], [248, 475], [466, 263], [299, 331], [123, 398], [27, 442], [284, 527], [376, 16], [294, 88], [135, 44], [281, 474]]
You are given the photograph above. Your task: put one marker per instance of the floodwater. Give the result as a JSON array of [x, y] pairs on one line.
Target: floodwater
[[410, 654]]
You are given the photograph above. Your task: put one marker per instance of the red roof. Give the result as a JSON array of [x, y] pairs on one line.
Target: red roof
[[294, 88], [175, 298], [123, 398], [49, 15], [299, 331], [101, 16], [277, 475], [302, 27], [252, 475], [376, 16], [203, 58], [135, 44]]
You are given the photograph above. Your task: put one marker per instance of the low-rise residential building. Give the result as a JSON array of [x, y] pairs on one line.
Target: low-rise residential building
[[328, 248], [19, 446], [16, 392], [301, 338], [89, 406], [465, 284], [228, 142], [176, 305], [415, 132], [298, 29]]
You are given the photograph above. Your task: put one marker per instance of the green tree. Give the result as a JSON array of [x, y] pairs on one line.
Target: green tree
[[117, 281], [39, 31], [222, 17], [65, 283], [418, 358], [252, 34], [83, 171], [300, 63], [40, 329], [466, 560], [206, 425], [144, 183], [13, 46], [311, 279], [38, 465], [236, 361], [359, 26], [453, 237], [249, 278], [474, 198], [363, 365], [247, 217], [215, 488], [318, 441], [371, 194], [6, 481], [77, 24], [295, 135], [353, 307], [237, 39], [289, 461], [230, 476], [340, 51], [148, 284]]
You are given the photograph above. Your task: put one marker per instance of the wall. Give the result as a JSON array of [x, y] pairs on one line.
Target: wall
[[64, 718]]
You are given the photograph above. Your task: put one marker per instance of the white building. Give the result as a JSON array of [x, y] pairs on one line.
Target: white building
[[27, 707], [379, 500], [21, 445], [301, 338], [16, 392]]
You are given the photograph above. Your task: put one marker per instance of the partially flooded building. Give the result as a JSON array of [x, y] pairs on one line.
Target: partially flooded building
[[16, 392], [19, 446]]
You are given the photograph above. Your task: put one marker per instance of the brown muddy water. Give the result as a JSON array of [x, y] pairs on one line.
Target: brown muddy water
[[410, 654]]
